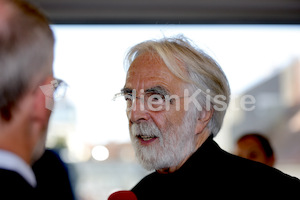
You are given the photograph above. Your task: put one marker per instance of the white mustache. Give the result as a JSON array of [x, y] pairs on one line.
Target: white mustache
[[145, 129]]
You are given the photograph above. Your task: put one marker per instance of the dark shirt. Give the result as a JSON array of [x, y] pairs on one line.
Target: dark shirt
[[14, 187], [52, 177], [52, 181], [213, 173]]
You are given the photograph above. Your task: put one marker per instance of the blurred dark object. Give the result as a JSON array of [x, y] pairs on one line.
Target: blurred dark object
[[171, 12], [53, 181]]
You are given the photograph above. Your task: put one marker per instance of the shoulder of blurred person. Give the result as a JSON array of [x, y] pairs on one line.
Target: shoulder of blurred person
[[52, 175], [14, 186]]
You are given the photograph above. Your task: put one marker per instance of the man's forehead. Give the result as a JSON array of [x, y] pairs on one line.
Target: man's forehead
[[149, 66], [147, 83], [148, 62], [148, 71], [140, 80]]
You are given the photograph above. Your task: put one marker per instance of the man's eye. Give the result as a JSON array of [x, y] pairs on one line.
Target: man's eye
[[156, 97], [128, 97]]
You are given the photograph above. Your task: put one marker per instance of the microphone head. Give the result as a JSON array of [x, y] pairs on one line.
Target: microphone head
[[122, 195]]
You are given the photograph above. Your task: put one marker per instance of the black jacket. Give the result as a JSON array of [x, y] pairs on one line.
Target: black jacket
[[14, 187], [215, 174], [53, 181]]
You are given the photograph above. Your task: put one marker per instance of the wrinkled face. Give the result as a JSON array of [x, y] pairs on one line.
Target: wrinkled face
[[161, 137], [250, 148]]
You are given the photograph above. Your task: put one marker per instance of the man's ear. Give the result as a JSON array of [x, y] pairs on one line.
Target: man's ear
[[203, 119], [40, 112]]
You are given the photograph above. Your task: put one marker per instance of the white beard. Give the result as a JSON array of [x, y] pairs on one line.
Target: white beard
[[175, 144]]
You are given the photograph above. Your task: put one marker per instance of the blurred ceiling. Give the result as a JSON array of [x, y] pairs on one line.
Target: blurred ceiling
[[171, 11]]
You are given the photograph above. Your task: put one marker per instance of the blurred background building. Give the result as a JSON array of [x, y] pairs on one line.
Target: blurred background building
[[277, 115]]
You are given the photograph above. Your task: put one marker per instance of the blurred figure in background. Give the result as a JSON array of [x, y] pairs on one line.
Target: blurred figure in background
[[52, 177], [26, 59], [256, 147]]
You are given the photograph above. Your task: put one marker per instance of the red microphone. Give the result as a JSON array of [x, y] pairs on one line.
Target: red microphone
[[122, 195]]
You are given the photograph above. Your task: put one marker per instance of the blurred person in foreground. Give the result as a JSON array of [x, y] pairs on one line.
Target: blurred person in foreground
[[256, 147], [176, 98], [26, 57]]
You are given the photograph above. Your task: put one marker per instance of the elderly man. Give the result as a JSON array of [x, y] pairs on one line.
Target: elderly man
[[176, 101], [26, 56]]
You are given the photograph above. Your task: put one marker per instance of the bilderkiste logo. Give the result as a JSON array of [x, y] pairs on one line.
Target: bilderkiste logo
[[160, 102], [52, 93]]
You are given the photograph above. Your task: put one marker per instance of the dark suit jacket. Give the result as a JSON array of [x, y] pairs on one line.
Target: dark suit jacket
[[14, 187], [215, 174], [52, 177]]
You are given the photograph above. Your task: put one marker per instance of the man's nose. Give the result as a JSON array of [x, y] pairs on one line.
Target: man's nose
[[138, 113]]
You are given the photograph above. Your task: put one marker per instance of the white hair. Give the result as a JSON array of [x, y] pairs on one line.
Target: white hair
[[193, 66]]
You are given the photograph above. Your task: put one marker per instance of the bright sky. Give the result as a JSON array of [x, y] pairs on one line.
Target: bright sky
[[90, 60]]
